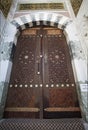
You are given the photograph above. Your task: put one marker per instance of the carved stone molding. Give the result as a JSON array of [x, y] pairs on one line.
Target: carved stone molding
[[76, 5], [5, 6]]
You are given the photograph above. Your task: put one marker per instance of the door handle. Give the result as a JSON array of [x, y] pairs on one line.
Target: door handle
[[45, 58], [38, 71]]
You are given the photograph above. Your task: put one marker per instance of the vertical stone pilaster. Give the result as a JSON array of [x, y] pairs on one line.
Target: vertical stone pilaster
[[3, 95]]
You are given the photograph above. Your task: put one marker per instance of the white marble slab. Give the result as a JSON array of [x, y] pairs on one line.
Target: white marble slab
[[5, 70], [84, 87]]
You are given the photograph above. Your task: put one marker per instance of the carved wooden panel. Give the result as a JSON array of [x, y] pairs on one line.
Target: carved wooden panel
[[65, 97], [23, 71], [54, 32], [29, 32], [58, 59]]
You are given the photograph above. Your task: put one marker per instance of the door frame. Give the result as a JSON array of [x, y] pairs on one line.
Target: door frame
[[42, 38]]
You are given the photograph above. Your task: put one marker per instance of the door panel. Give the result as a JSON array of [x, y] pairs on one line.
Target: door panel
[[42, 83], [60, 89], [23, 93]]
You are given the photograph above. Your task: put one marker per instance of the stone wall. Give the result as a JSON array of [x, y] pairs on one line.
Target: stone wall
[[82, 26], [82, 20], [2, 23]]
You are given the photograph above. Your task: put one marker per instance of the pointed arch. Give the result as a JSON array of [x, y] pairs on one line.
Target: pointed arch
[[41, 18]]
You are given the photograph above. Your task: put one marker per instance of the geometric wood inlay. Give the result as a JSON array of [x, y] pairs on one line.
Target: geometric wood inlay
[[42, 76]]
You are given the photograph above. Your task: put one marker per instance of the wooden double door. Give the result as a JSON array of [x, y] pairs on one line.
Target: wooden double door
[[42, 83]]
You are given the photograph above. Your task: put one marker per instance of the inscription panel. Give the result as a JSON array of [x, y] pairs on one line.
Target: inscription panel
[[41, 6]]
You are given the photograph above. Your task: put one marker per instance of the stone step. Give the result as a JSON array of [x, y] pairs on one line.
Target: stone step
[[42, 124]]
